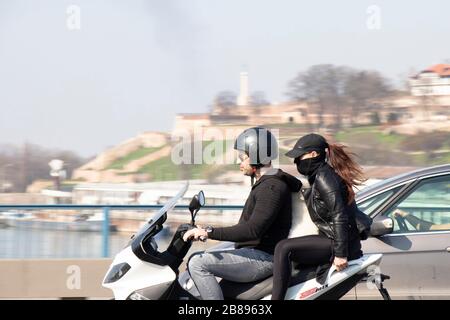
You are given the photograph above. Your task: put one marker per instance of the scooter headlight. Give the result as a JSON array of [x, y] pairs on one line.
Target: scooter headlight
[[117, 272], [137, 296]]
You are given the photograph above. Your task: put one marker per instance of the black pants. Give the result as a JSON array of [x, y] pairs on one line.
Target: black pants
[[311, 250]]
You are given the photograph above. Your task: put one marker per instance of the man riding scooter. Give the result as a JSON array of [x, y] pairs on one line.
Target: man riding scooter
[[265, 220]]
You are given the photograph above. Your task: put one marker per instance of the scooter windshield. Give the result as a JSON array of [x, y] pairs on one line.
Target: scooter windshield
[[167, 207]]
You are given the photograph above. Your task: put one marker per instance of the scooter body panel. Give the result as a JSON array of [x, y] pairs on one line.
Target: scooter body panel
[[312, 289], [150, 280]]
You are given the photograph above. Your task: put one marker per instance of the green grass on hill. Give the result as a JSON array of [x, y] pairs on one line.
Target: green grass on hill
[[288, 125], [162, 169], [376, 147], [137, 154], [165, 169], [427, 159], [369, 135], [369, 142]]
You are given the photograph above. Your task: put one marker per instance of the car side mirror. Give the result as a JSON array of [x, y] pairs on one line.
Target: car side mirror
[[381, 225]]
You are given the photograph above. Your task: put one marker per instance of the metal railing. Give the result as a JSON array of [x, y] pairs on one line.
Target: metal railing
[[105, 230]]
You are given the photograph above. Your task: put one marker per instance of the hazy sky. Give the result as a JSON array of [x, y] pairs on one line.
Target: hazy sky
[[134, 64]]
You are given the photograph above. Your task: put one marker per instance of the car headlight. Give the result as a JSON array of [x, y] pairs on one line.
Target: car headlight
[[117, 272]]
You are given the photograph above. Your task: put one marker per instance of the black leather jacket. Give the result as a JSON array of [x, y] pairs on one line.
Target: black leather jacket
[[327, 205]]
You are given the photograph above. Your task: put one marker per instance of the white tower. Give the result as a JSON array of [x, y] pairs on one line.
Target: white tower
[[243, 98]]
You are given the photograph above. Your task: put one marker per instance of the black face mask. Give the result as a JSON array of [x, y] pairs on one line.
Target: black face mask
[[308, 166]]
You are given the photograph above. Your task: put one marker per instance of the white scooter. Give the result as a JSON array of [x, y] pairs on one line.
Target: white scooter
[[141, 272]]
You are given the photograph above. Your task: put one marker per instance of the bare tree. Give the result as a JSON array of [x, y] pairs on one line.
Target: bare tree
[[330, 88], [404, 80], [258, 98], [322, 86], [30, 162], [362, 87], [225, 100]]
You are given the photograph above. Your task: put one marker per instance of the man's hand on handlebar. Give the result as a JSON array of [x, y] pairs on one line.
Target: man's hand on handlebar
[[195, 234]]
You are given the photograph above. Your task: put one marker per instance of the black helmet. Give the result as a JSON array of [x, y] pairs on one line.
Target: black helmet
[[259, 144]]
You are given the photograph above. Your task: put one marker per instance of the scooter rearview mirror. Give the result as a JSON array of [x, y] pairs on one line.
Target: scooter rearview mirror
[[194, 204], [201, 198], [197, 202]]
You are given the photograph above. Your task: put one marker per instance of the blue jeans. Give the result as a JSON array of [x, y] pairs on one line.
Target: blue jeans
[[239, 265]]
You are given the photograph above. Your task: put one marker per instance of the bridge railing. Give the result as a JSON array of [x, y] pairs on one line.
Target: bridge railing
[[30, 237]]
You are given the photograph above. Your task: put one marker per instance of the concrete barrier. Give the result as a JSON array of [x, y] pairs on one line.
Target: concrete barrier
[[53, 278]]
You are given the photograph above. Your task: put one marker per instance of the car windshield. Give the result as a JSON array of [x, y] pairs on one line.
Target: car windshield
[[368, 206], [400, 178]]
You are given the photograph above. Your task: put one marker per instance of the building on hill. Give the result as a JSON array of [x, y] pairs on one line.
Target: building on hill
[[408, 114], [411, 110], [433, 81]]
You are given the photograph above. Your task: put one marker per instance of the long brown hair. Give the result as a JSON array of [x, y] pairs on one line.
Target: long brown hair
[[346, 167]]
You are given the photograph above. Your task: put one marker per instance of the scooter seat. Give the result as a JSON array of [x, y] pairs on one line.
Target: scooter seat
[[259, 289]]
